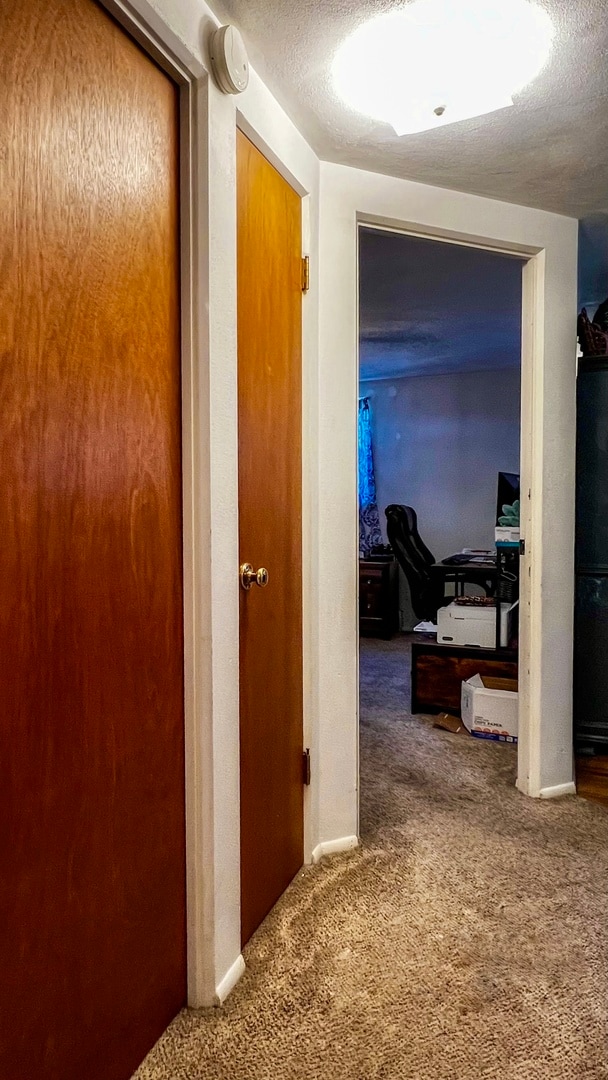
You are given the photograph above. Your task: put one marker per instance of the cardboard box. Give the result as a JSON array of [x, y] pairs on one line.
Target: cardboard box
[[447, 722], [490, 708], [506, 535]]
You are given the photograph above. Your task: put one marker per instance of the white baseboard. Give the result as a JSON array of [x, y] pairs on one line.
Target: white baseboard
[[557, 791], [228, 983], [334, 847]]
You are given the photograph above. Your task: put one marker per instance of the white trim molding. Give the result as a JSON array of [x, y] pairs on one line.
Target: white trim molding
[[334, 847], [558, 791], [228, 983]]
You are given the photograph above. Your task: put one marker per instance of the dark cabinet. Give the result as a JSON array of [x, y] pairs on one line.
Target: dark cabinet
[[378, 598], [438, 672], [591, 599]]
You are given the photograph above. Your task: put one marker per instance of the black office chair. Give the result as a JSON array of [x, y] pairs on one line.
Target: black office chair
[[410, 521], [426, 582], [415, 560]]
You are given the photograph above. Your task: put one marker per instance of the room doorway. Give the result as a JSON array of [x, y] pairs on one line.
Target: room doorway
[[440, 336]]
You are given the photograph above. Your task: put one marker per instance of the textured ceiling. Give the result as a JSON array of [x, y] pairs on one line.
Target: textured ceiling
[[549, 151], [428, 308]]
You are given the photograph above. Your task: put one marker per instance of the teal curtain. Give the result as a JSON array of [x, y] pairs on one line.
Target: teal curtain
[[370, 534], [367, 480]]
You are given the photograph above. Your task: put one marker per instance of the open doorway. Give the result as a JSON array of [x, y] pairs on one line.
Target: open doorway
[[440, 329]]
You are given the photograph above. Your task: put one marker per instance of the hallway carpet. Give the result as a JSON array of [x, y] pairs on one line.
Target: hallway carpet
[[465, 939]]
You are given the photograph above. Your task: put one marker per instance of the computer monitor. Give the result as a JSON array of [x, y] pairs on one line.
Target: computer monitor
[[508, 491]]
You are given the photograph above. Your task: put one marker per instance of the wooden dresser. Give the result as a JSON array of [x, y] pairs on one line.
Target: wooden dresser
[[378, 597]]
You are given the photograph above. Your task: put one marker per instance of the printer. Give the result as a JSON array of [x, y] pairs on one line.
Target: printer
[[459, 624]]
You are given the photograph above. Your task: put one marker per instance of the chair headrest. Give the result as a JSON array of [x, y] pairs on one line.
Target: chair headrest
[[405, 514]]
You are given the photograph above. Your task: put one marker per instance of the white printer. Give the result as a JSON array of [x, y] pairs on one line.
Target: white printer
[[458, 624]]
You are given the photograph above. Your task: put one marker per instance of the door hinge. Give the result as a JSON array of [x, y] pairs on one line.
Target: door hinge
[[306, 767], [305, 273]]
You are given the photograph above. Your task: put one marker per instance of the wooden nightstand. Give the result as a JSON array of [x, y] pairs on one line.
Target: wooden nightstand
[[378, 597]]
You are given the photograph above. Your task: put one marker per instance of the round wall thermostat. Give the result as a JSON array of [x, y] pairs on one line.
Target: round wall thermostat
[[229, 60]]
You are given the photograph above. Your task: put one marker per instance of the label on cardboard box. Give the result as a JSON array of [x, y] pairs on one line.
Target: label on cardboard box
[[490, 708], [506, 535]]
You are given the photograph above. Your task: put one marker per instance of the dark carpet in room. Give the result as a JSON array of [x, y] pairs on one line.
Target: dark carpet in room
[[465, 939]]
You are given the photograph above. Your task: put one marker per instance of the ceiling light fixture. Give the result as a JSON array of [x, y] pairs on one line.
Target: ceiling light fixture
[[439, 61]]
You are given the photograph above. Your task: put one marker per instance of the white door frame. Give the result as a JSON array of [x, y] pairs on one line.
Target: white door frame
[[531, 660], [532, 311], [350, 197]]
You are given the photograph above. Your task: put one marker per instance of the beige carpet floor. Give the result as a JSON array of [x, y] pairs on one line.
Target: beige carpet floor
[[465, 939]]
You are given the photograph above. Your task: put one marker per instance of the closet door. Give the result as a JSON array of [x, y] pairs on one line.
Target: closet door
[[92, 849], [270, 531]]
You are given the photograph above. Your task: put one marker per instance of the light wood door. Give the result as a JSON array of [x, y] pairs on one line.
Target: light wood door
[[92, 849], [270, 531]]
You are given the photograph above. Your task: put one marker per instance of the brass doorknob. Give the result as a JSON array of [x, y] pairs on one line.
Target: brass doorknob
[[250, 577]]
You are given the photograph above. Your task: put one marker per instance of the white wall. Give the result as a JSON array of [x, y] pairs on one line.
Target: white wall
[[548, 437], [439, 442]]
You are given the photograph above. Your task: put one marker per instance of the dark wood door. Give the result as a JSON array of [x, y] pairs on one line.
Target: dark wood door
[[270, 516], [92, 849]]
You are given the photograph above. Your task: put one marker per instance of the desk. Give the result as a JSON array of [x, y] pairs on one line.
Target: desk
[[484, 574]]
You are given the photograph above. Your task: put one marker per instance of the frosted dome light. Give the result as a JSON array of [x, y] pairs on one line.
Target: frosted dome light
[[439, 61]]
